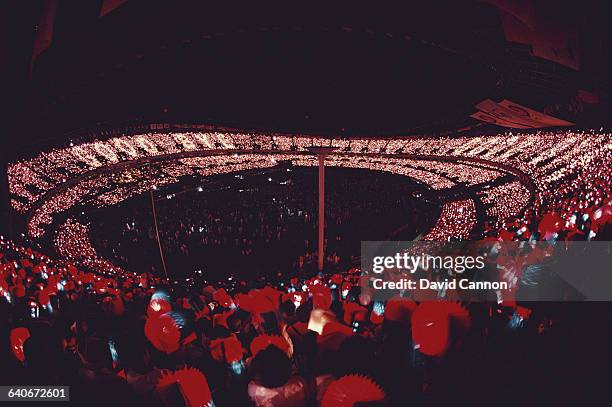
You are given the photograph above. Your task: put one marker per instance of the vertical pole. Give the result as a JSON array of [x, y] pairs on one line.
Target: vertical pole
[[161, 252], [321, 211]]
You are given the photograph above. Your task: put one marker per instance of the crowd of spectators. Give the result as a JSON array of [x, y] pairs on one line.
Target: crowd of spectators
[[268, 330], [265, 221], [289, 340], [552, 161]]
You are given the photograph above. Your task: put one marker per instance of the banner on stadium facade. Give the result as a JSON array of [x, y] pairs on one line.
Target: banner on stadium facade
[[488, 118], [522, 111], [510, 114]]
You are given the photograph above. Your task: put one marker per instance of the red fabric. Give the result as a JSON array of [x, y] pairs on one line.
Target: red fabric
[[350, 390], [350, 311], [19, 291], [223, 298], [336, 279], [376, 319], [550, 224], [399, 310], [430, 329], [431, 325], [43, 297], [192, 383], [506, 236], [321, 296], [260, 302], [18, 338], [226, 349]]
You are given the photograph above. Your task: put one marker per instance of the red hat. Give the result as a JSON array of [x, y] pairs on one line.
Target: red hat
[[430, 329], [399, 309], [273, 294], [26, 263], [192, 384], [259, 301], [164, 332], [72, 270], [3, 284], [350, 390], [431, 325]]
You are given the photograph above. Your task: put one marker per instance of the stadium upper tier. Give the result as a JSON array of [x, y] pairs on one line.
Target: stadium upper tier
[[514, 175]]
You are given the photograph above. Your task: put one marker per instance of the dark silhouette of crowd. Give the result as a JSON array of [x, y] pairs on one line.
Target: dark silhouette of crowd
[[263, 221], [292, 341]]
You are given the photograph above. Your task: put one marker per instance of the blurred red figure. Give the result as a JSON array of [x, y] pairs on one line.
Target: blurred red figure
[[18, 338]]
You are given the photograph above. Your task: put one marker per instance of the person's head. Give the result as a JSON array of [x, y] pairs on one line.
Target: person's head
[[287, 310], [43, 349], [270, 368]]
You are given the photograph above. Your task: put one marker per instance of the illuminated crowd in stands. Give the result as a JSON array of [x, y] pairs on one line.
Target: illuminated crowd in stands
[[539, 153], [552, 160], [505, 201], [289, 340], [120, 336], [456, 220], [236, 221], [72, 242], [559, 183], [102, 190]]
